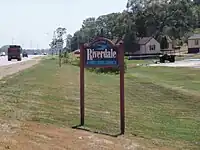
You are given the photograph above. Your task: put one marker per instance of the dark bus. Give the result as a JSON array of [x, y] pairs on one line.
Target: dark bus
[[14, 52]]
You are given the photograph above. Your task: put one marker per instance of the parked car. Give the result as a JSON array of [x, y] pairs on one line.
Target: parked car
[[24, 54]]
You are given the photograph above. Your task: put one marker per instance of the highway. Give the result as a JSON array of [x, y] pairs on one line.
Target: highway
[[4, 60]]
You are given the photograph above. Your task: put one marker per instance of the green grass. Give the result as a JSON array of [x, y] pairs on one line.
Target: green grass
[[156, 107], [185, 79]]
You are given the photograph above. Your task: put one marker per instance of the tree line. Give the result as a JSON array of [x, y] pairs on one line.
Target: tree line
[[177, 19]]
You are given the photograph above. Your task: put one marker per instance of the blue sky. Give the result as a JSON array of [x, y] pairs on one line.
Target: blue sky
[[31, 22]]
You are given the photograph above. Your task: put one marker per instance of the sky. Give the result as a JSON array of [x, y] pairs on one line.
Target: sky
[[31, 23]]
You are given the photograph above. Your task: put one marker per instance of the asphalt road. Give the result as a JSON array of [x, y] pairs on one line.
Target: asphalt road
[[4, 60]]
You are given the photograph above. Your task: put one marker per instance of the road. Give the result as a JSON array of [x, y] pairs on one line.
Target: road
[[4, 60]]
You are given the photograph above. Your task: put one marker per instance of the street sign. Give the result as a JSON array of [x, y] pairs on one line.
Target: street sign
[[59, 45]]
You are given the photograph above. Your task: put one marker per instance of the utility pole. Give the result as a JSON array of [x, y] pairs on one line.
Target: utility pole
[[54, 40]]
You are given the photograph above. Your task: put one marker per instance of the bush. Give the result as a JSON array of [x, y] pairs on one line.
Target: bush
[[69, 58], [108, 70], [65, 57]]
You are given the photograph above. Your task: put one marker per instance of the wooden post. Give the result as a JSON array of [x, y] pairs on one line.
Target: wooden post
[[82, 84], [60, 57], [122, 110]]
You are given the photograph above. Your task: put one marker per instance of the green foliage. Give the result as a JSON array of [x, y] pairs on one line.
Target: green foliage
[[142, 18], [65, 57], [69, 58], [108, 70]]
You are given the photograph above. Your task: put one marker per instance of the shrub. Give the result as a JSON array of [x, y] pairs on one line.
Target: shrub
[[69, 58], [114, 70], [65, 57]]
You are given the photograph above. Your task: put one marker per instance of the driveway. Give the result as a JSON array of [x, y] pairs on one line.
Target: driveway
[[183, 63]]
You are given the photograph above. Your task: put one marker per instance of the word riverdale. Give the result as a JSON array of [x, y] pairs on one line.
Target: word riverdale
[[92, 54]]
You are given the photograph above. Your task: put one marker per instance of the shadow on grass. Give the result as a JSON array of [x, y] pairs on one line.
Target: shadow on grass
[[80, 127]]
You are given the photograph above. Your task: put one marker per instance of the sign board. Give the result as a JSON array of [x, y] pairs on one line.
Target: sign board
[[59, 45], [101, 53]]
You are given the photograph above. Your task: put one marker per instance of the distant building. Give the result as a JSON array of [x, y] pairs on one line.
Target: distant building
[[145, 46], [194, 44], [77, 52]]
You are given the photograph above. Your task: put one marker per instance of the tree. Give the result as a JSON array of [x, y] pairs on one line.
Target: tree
[[164, 43], [60, 32], [68, 42], [157, 18]]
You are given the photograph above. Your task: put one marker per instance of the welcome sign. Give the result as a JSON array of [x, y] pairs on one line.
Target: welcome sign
[[101, 53]]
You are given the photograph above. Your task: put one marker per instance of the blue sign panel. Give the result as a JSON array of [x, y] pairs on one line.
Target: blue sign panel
[[101, 53]]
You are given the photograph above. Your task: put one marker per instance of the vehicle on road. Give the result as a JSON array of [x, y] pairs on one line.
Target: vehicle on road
[[14, 52], [35, 53], [3, 54], [24, 54], [44, 53]]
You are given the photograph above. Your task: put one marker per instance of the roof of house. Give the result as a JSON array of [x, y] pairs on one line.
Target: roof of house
[[195, 36], [76, 51], [144, 40]]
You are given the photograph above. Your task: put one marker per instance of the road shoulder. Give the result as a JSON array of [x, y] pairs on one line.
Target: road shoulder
[[14, 68]]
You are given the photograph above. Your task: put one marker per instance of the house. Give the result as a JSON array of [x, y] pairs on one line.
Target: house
[[144, 46], [194, 44], [77, 52]]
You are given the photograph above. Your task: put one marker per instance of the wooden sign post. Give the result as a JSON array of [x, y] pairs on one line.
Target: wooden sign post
[[102, 53]]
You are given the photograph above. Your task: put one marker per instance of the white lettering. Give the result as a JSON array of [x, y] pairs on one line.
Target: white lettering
[[89, 54], [92, 54]]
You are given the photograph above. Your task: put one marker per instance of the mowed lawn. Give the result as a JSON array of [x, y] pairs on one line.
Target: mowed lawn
[[162, 104]]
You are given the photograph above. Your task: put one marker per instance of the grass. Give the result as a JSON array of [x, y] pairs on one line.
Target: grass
[[162, 104], [185, 79]]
